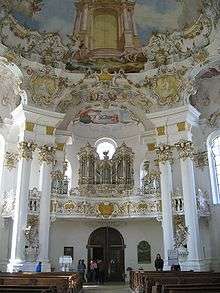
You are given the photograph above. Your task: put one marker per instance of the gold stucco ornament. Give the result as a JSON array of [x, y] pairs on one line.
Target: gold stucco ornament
[[167, 86], [105, 209]]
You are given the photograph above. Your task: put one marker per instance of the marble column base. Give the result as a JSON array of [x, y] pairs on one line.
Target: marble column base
[[195, 265]]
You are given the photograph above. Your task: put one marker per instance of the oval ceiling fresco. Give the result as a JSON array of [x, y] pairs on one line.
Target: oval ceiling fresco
[[115, 34], [150, 16]]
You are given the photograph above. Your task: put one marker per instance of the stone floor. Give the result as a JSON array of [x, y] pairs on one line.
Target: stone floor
[[106, 288]]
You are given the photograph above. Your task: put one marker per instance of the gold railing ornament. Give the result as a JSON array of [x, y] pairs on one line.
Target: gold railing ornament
[[164, 153], [47, 154], [185, 149], [106, 209], [26, 149]]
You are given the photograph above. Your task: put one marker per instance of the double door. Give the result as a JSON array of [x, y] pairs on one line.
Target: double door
[[107, 245]]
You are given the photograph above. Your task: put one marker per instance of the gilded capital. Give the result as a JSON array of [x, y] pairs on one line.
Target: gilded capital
[[26, 148], [164, 153], [10, 160], [185, 149], [47, 154], [201, 159]]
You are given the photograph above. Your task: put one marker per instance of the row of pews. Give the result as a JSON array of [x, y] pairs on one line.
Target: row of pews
[[174, 282], [40, 282]]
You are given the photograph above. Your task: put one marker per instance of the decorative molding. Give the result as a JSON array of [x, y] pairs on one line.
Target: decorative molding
[[160, 130], [181, 126], [10, 160], [50, 130], [164, 153], [47, 154], [185, 149], [26, 149], [182, 233], [151, 147], [32, 238], [29, 126], [60, 146], [201, 160]]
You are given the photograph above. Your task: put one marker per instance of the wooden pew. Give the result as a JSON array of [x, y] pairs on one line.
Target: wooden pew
[[141, 281], [159, 288], [181, 279], [190, 288], [65, 282], [27, 289]]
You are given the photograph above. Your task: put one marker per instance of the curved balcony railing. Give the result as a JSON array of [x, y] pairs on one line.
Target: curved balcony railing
[[125, 205]]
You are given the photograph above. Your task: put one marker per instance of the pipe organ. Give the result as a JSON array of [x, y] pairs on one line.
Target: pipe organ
[[106, 174]]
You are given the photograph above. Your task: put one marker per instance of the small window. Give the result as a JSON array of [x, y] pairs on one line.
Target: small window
[[105, 148], [144, 252], [68, 251], [214, 165]]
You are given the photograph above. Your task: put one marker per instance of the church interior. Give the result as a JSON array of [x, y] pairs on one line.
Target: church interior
[[109, 143]]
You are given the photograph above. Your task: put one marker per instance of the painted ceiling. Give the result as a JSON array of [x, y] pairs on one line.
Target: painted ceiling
[[150, 16]]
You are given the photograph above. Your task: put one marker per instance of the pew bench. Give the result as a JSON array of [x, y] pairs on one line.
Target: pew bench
[[27, 289], [65, 283]]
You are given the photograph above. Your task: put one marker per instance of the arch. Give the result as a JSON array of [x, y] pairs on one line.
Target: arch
[[107, 243], [213, 143], [144, 252]]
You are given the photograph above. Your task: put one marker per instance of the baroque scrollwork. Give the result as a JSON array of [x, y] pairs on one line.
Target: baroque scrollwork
[[47, 154], [201, 160], [10, 160], [167, 86], [26, 149], [164, 153], [181, 232], [185, 149], [32, 238]]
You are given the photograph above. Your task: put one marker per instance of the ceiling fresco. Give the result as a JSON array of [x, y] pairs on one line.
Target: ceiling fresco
[[70, 35], [150, 16]]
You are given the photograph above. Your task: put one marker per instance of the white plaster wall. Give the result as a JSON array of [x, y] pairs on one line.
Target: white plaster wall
[[215, 237], [76, 234]]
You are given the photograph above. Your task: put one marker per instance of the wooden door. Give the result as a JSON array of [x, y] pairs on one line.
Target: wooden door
[[107, 243]]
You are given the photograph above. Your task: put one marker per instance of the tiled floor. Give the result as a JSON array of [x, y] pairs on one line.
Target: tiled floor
[[105, 288]]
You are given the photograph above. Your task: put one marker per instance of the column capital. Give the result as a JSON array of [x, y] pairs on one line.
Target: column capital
[[164, 153], [10, 160], [185, 149], [47, 154], [26, 149]]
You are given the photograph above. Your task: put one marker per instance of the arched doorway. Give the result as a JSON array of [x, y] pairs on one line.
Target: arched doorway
[[107, 243]]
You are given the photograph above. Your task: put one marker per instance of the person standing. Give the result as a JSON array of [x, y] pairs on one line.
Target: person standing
[[38, 267], [159, 263], [93, 270], [81, 268], [101, 271]]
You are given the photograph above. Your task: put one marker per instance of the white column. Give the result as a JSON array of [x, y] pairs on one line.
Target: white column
[[190, 206], [46, 157], [8, 185], [17, 259], [165, 158]]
